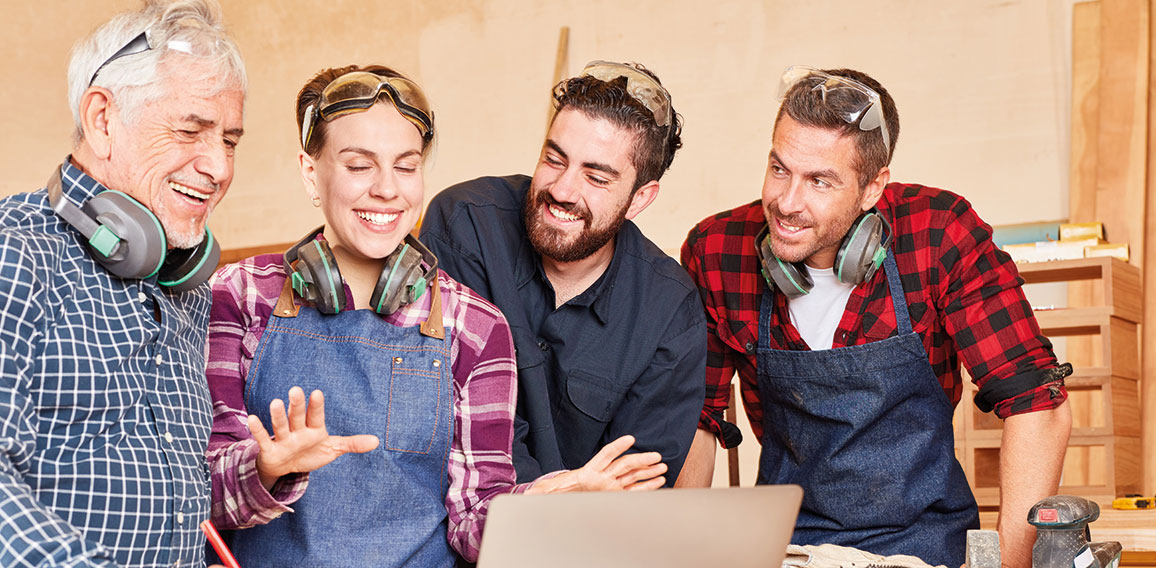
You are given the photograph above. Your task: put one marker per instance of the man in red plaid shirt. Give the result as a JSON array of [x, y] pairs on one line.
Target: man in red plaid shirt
[[846, 305]]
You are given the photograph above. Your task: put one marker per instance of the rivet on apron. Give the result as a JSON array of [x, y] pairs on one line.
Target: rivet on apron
[[437, 362], [397, 360], [286, 312]]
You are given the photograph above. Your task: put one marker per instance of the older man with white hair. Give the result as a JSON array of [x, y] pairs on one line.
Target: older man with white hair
[[104, 410]]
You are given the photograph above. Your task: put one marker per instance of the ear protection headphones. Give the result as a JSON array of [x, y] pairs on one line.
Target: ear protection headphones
[[126, 239], [315, 277], [860, 254]]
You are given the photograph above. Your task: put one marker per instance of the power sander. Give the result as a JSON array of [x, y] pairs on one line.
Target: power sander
[[1063, 537]]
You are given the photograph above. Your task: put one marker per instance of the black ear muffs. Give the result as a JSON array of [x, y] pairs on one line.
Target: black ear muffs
[[126, 239], [860, 254], [863, 249], [315, 276], [317, 279], [185, 269], [790, 278], [403, 280]]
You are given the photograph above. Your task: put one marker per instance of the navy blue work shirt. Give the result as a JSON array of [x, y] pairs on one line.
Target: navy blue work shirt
[[626, 356], [105, 414]]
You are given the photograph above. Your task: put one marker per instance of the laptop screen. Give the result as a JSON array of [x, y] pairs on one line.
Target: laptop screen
[[733, 527]]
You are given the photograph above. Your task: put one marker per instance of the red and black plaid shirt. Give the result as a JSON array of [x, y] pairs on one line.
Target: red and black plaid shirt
[[964, 296]]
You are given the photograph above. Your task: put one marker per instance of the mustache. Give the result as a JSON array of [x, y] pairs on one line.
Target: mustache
[[544, 197], [793, 220], [195, 181]]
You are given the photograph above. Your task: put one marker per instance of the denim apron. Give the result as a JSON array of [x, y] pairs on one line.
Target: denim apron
[[866, 431], [382, 508]]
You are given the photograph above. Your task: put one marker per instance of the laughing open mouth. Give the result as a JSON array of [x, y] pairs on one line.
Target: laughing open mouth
[[188, 191], [563, 214], [378, 218]]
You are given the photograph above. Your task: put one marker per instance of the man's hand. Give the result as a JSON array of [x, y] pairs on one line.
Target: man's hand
[[606, 471], [300, 441]]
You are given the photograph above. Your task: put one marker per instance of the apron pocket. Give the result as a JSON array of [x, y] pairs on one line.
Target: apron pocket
[[415, 404]]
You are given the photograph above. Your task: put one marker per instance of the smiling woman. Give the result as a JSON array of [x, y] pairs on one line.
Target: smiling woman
[[418, 370], [354, 309]]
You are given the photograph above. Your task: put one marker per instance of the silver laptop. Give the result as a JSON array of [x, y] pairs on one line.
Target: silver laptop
[[734, 527]]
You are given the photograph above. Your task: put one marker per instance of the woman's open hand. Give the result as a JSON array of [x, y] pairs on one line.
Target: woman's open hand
[[300, 441]]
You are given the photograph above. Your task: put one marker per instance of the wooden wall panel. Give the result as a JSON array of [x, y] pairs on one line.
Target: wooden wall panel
[[1112, 63], [1122, 132], [1085, 110], [1081, 351], [1148, 257]]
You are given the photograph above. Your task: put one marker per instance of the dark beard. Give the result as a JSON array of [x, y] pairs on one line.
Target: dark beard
[[550, 242], [824, 241]]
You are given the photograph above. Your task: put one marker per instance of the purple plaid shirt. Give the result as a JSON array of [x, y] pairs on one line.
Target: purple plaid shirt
[[485, 375]]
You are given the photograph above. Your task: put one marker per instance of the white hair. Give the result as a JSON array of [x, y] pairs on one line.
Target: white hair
[[188, 27]]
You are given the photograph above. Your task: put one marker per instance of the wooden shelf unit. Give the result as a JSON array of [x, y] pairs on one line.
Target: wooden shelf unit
[[1104, 451]]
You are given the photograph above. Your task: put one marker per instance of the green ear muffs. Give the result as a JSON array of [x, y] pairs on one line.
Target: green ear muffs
[[863, 248], [403, 280], [125, 238], [317, 279], [315, 276], [860, 254]]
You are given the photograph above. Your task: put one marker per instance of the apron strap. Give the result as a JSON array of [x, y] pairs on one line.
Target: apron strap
[[902, 316], [434, 326], [287, 307]]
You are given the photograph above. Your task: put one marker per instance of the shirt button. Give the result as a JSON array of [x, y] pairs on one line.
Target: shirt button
[[750, 347], [160, 359], [543, 346], [842, 335], [142, 297], [180, 518], [169, 437]]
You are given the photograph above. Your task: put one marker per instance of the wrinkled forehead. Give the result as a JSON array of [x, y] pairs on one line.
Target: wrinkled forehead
[[212, 103], [201, 75]]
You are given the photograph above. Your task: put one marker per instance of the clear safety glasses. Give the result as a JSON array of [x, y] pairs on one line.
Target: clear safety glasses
[[139, 44], [358, 91], [642, 87], [851, 100]]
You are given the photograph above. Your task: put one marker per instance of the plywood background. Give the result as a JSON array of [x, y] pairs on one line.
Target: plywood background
[[982, 88]]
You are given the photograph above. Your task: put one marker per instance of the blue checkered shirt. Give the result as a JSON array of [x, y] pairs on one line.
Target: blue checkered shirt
[[104, 409]]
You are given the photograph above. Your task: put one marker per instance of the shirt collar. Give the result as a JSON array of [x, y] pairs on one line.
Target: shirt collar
[[76, 185], [600, 294]]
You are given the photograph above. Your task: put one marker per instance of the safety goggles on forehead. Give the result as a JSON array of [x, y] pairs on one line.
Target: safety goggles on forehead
[[358, 91], [642, 87], [851, 100], [139, 44]]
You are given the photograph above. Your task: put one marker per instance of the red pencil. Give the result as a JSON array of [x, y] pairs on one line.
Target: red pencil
[[219, 544]]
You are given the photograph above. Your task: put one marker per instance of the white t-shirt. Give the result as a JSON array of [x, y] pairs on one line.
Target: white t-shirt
[[817, 314]]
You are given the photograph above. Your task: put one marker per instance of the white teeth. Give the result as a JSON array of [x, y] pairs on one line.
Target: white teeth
[[378, 218], [563, 215], [789, 227], [189, 191]]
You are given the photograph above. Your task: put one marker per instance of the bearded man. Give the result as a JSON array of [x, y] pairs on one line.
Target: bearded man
[[609, 330]]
